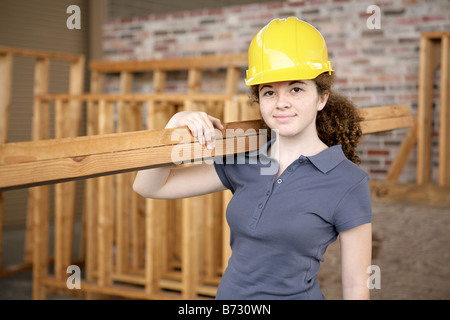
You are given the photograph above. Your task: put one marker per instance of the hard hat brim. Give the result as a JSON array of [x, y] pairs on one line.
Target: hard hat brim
[[291, 74]]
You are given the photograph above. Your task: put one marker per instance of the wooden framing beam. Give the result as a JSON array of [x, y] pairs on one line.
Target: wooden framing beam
[[67, 124], [6, 68], [39, 54], [377, 119], [137, 97], [37, 242], [26, 164], [429, 194], [203, 62], [444, 116], [429, 52]]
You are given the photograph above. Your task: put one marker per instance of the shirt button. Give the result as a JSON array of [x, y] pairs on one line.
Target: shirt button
[[260, 206], [290, 169], [279, 181], [268, 192]]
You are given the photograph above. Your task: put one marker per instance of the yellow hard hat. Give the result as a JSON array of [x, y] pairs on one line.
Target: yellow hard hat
[[286, 49]]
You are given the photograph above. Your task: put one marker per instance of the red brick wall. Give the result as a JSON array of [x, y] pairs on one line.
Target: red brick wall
[[373, 67]]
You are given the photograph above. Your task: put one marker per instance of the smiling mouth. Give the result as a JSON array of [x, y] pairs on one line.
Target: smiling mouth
[[284, 118]]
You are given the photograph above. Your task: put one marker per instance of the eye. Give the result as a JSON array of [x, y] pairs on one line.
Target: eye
[[297, 89], [268, 93]]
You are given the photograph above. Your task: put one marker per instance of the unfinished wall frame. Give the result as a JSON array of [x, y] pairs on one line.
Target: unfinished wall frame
[[136, 248], [178, 266], [434, 54], [38, 199]]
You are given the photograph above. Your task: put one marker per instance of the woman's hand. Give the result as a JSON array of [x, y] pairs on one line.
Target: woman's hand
[[184, 181], [200, 124]]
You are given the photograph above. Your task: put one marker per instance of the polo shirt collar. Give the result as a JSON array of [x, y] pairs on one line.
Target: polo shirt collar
[[324, 161], [328, 159]]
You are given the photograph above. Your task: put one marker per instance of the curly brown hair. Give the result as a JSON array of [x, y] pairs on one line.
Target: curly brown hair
[[338, 122]]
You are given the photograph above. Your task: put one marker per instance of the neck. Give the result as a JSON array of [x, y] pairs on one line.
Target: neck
[[288, 149]]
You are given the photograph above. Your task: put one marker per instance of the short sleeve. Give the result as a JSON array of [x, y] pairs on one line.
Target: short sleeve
[[219, 165], [355, 207]]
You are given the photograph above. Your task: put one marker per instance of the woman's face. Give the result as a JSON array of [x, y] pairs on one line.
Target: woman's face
[[291, 106]]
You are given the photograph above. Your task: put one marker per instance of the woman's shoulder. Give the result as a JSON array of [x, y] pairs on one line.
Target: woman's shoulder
[[344, 169], [352, 173]]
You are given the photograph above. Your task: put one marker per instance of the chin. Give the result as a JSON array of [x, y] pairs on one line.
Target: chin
[[286, 132]]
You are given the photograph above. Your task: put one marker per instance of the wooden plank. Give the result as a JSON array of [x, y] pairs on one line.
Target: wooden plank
[[6, 63], [424, 112], [154, 248], [176, 285], [230, 113], [159, 81], [91, 187], [138, 230], [71, 128], [39, 54], [203, 62], [157, 211], [105, 207], [162, 210], [385, 112], [138, 97], [444, 116], [378, 125], [38, 198], [79, 148], [39, 130], [190, 210], [2, 214], [127, 291], [377, 119], [190, 266], [40, 204], [31, 163], [194, 80], [62, 199], [411, 193], [435, 34], [403, 152], [233, 113], [123, 189], [152, 267], [67, 122]]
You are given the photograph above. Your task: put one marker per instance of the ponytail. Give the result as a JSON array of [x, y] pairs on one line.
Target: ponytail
[[339, 123]]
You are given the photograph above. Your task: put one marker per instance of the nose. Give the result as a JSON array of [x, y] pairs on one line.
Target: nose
[[283, 101]]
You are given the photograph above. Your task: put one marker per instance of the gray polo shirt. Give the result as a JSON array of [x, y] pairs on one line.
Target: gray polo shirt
[[281, 227]]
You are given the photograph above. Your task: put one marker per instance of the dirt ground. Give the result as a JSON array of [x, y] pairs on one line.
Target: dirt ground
[[411, 247]]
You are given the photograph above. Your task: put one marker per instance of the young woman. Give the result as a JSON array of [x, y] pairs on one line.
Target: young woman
[[281, 223]]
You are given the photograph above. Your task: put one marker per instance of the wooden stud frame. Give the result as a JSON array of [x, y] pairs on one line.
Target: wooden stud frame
[[104, 153], [37, 212], [434, 53]]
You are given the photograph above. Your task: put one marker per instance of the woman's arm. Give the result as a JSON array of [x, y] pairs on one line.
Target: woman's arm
[[178, 182], [356, 256], [189, 181]]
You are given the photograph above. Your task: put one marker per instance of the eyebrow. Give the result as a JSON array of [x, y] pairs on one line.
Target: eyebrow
[[297, 81], [290, 84]]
